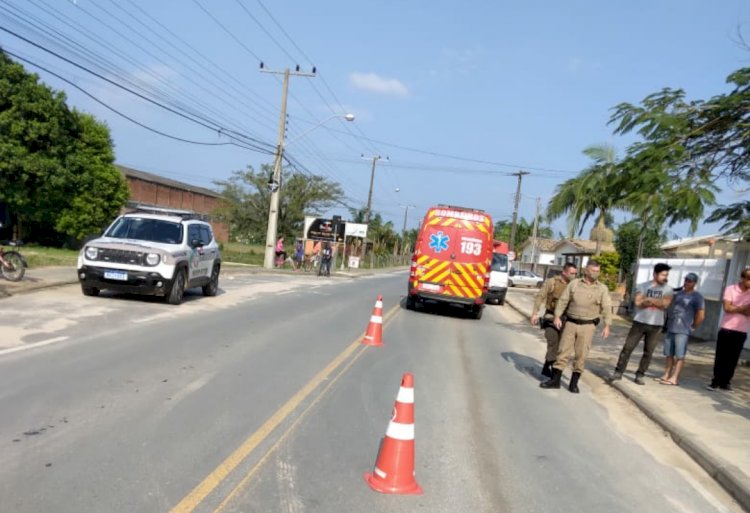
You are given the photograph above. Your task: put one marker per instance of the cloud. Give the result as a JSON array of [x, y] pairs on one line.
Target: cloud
[[575, 64], [377, 84]]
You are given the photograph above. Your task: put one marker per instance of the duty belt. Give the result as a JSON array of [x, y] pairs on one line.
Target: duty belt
[[584, 321]]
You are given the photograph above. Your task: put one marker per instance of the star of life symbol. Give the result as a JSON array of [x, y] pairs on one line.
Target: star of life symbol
[[439, 242]]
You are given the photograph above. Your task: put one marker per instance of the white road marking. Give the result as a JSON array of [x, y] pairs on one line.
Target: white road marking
[[32, 346]]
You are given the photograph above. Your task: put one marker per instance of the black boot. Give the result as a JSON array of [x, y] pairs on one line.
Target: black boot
[[573, 387], [554, 381], [547, 369]]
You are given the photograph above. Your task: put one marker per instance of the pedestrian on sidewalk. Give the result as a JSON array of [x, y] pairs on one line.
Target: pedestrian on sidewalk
[[686, 313], [732, 332], [548, 296], [299, 255], [651, 300], [325, 264], [585, 302]]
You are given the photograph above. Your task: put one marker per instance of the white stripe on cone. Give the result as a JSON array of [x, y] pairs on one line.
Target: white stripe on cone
[[400, 431], [377, 319], [378, 304], [405, 395], [380, 473]]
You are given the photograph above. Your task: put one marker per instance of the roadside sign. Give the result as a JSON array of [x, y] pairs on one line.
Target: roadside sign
[[511, 255]]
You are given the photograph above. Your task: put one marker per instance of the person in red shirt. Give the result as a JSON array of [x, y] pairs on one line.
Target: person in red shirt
[[732, 333]]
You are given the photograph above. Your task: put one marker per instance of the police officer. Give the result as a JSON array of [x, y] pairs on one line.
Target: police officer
[[548, 296], [585, 302]]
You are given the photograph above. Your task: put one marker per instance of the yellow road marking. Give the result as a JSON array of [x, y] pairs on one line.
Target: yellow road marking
[[215, 478]]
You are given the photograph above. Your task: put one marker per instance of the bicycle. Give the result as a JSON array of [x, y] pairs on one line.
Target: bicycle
[[12, 264], [310, 262], [281, 261]]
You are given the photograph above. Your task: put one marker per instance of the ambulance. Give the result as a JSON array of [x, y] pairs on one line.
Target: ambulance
[[452, 259]]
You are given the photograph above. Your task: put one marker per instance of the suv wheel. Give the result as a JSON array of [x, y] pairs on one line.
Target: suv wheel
[[213, 286], [174, 297]]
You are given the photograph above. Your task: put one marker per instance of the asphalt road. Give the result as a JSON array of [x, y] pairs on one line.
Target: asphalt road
[[262, 399]]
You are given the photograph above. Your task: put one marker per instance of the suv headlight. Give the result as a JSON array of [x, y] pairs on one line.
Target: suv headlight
[[153, 259], [91, 252]]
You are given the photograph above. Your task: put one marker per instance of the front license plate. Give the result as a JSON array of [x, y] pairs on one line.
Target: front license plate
[[431, 287], [116, 275]]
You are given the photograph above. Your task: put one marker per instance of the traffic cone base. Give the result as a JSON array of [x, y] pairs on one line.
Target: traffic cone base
[[394, 468], [374, 334], [379, 485]]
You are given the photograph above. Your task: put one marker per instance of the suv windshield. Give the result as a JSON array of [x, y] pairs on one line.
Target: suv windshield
[[153, 230], [499, 262]]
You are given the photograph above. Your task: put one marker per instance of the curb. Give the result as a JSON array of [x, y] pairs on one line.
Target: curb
[[227, 267], [727, 475], [33, 288]]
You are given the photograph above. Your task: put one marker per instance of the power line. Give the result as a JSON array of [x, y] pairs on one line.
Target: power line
[[261, 103], [97, 100], [218, 84], [255, 143], [67, 43], [325, 82]]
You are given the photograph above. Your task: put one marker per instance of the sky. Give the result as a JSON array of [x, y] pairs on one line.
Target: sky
[[454, 97]]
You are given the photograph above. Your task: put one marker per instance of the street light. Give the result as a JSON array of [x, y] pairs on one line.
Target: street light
[[275, 185]]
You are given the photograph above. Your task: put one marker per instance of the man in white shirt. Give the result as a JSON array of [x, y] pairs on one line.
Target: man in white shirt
[[651, 300]]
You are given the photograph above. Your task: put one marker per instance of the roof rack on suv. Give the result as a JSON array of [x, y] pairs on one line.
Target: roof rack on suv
[[185, 214]]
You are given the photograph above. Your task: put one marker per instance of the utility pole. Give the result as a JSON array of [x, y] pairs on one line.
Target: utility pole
[[403, 230], [511, 243], [374, 159], [533, 237], [275, 184]]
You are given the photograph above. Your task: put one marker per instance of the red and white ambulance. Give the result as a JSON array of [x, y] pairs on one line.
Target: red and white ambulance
[[452, 258]]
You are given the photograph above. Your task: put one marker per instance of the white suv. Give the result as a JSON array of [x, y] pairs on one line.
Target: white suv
[[156, 252]]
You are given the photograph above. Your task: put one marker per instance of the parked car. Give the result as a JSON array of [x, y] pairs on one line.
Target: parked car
[[156, 251], [522, 278]]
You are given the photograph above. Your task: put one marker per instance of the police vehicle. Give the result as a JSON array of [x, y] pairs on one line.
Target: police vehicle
[[152, 251]]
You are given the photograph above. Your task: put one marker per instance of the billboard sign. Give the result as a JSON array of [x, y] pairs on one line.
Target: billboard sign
[[356, 230], [317, 228]]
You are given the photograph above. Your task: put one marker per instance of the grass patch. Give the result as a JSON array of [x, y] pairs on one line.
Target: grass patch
[[242, 253], [40, 256]]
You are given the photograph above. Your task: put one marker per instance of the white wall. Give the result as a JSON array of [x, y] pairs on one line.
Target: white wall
[[710, 273]]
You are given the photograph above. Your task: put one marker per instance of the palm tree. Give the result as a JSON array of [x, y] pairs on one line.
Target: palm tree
[[597, 190]]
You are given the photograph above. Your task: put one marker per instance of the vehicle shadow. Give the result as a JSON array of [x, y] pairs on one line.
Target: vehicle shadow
[[441, 309], [188, 296]]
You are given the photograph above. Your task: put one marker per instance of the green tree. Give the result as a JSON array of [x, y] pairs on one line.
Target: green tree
[[610, 268], [627, 239], [382, 234], [98, 191], [56, 165], [524, 231], [686, 147], [248, 200], [596, 191]]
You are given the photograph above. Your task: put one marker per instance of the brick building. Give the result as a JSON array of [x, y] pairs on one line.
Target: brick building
[[151, 190]]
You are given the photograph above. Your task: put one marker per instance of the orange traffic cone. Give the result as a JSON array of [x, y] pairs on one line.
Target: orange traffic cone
[[394, 470], [374, 334]]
